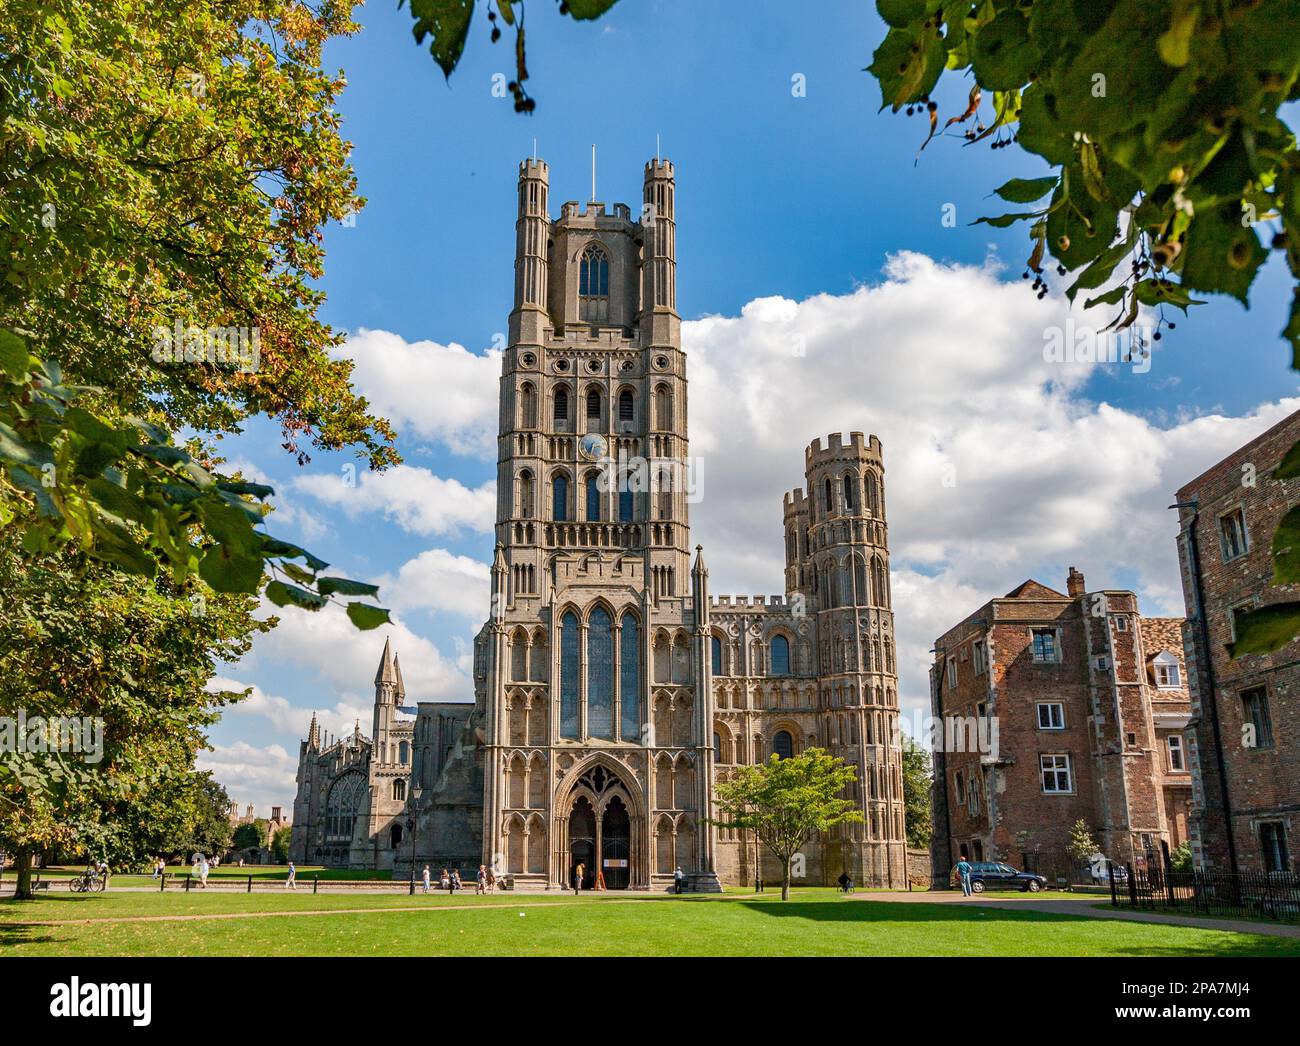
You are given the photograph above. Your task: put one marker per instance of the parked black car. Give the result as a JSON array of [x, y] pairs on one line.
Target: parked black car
[[994, 875]]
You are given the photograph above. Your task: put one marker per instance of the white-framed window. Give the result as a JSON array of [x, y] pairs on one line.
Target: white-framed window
[[952, 673], [1047, 647], [978, 657], [1055, 769], [1234, 539], [1168, 676], [1121, 623], [973, 797], [1177, 757], [1051, 715]]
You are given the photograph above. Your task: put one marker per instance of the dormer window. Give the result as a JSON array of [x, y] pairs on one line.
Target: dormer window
[[1165, 667], [593, 285]]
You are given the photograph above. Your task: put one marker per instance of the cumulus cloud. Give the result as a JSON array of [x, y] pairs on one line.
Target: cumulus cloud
[[439, 580], [337, 717], [264, 776], [330, 652], [411, 496], [439, 393], [997, 466]]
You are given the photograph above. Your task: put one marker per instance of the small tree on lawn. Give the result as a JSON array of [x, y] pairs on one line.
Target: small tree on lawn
[[1082, 845], [280, 845], [787, 801]]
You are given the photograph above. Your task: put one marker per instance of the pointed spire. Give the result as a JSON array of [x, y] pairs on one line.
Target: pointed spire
[[499, 559], [699, 567], [397, 667], [313, 733], [386, 673]]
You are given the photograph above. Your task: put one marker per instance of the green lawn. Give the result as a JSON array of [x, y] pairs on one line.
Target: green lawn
[[813, 922]]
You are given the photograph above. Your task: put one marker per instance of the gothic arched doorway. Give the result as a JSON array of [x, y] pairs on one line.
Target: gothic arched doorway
[[602, 832], [582, 843], [616, 845]]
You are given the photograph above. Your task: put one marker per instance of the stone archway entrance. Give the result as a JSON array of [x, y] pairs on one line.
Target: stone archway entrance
[[601, 832]]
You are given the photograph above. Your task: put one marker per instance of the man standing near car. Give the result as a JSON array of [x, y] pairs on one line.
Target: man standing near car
[[963, 873]]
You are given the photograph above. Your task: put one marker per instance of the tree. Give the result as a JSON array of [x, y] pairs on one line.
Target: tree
[[1082, 845], [447, 22], [786, 802], [1181, 859], [167, 173], [1173, 173], [126, 661], [248, 836], [918, 778], [280, 844]]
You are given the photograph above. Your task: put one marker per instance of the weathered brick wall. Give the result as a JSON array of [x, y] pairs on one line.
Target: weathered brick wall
[[1262, 784]]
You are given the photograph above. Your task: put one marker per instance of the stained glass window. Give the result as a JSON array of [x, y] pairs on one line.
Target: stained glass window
[[629, 683], [600, 675], [780, 659], [570, 656]]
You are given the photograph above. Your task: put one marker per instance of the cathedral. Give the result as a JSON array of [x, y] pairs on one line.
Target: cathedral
[[612, 687]]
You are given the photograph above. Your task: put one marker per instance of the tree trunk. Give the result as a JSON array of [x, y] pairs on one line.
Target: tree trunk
[[23, 869], [785, 879]]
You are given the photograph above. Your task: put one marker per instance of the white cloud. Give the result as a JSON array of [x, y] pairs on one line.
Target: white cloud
[[286, 511], [264, 776], [338, 717], [441, 393], [325, 644], [945, 364], [412, 497], [439, 580]]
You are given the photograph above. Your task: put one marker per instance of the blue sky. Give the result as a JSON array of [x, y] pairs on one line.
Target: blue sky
[[797, 204]]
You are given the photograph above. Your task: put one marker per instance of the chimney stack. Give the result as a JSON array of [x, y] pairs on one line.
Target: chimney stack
[[1074, 584]]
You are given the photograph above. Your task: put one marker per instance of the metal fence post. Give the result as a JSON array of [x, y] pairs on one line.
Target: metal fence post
[[1110, 873], [250, 884], [162, 883], [315, 883], [188, 877], [1132, 884]]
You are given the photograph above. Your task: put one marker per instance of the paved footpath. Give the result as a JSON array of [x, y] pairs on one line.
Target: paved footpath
[[1085, 907]]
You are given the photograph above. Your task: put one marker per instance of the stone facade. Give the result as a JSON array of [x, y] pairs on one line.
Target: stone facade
[[612, 687], [1081, 703], [1245, 736]]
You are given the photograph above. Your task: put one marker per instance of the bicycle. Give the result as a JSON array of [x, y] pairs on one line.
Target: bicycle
[[87, 882]]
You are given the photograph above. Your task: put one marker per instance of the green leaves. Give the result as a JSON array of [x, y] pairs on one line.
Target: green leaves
[[1004, 57], [1026, 190], [1266, 629], [366, 617], [447, 22]]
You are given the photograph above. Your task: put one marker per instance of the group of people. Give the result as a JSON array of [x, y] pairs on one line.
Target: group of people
[[485, 881]]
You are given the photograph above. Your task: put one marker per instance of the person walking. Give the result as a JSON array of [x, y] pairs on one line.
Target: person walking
[[491, 880], [424, 876], [578, 873], [480, 883], [963, 873], [204, 868], [291, 882], [679, 879]]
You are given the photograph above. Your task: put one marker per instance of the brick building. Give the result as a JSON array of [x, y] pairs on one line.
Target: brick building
[[1080, 704], [1245, 722]]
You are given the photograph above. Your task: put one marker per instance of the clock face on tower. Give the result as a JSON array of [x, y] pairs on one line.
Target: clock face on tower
[[592, 446]]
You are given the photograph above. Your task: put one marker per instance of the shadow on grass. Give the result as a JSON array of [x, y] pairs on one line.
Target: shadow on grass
[[1228, 943]]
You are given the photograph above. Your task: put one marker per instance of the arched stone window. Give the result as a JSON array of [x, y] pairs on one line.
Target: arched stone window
[[717, 747], [399, 791], [559, 497], [593, 496], [395, 836], [783, 744], [850, 486], [600, 674], [629, 682], [561, 411], [828, 496], [663, 407], [625, 503], [626, 406], [780, 656], [863, 593], [716, 646], [570, 657], [593, 285], [341, 807], [594, 410], [880, 593], [403, 753], [527, 406], [873, 493], [524, 508]]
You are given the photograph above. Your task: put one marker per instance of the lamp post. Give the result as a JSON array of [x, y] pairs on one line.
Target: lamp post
[[414, 825]]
